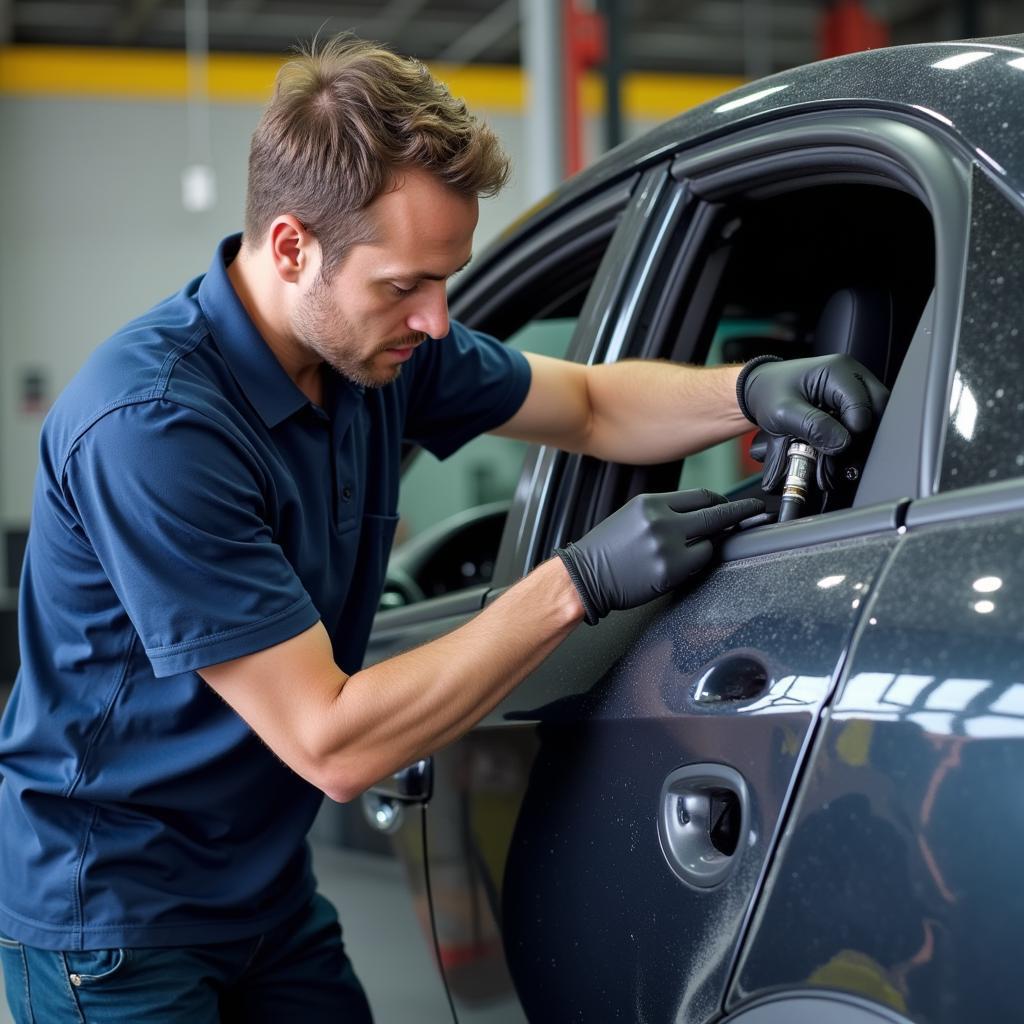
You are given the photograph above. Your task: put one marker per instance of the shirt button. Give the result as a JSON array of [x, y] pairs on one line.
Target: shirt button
[[347, 492]]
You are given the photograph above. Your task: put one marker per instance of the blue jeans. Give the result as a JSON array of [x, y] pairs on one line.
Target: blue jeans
[[297, 972]]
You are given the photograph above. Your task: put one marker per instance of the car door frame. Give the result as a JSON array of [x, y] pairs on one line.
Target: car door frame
[[820, 147], [827, 147]]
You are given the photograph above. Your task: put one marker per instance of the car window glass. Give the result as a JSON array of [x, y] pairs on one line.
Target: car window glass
[[452, 513], [486, 469]]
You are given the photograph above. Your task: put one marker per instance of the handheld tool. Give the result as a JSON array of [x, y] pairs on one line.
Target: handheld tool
[[800, 469]]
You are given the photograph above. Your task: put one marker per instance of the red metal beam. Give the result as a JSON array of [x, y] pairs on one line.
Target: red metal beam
[[586, 46], [847, 26]]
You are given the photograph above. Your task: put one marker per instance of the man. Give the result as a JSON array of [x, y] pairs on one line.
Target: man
[[214, 507]]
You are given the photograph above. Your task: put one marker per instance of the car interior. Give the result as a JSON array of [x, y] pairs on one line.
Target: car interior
[[830, 269]]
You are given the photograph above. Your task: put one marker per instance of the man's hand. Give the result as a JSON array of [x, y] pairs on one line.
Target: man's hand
[[821, 400], [648, 547]]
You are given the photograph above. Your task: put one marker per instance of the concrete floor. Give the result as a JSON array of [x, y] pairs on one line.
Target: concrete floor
[[382, 937]]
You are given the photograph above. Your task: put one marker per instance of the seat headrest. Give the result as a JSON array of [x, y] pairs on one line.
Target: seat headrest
[[857, 321]]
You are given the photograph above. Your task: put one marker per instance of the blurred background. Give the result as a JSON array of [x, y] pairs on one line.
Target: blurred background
[[125, 124]]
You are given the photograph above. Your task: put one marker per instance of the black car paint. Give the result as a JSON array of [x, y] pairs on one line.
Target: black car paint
[[585, 870], [897, 862], [900, 875], [988, 388], [962, 104]]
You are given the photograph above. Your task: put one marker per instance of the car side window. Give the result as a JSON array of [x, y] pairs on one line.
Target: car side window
[[486, 469], [452, 512]]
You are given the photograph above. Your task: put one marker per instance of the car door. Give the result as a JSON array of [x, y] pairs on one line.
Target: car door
[[897, 888], [605, 831]]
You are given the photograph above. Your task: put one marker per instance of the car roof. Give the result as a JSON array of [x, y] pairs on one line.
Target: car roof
[[972, 89]]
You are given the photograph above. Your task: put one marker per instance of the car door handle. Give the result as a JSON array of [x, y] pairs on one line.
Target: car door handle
[[384, 804], [412, 785], [703, 822], [737, 677]]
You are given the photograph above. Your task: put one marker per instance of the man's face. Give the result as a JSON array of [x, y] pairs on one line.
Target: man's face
[[389, 295]]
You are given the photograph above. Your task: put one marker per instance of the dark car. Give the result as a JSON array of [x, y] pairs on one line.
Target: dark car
[[791, 793]]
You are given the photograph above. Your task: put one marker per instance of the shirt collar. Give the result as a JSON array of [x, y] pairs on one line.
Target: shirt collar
[[272, 392]]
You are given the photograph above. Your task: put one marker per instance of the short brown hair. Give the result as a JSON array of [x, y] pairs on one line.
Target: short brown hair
[[346, 117]]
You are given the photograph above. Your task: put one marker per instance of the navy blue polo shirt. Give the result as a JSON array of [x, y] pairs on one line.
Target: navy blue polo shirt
[[193, 506]]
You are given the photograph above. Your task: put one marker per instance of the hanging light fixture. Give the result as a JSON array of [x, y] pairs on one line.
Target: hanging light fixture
[[198, 182]]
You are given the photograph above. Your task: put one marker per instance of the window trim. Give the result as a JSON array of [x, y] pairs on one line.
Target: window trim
[[555, 484], [549, 472]]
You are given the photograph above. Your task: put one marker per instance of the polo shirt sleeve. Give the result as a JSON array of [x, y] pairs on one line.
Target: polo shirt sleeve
[[172, 504], [463, 385]]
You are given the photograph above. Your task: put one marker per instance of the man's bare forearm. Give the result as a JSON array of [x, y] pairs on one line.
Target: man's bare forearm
[[649, 411], [392, 713]]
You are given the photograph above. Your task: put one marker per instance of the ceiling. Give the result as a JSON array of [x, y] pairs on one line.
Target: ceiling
[[741, 37]]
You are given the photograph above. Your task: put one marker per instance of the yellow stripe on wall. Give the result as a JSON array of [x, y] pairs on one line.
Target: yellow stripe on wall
[[657, 96], [129, 74], [245, 78]]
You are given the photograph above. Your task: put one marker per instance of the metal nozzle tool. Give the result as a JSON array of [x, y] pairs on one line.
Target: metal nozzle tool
[[800, 467]]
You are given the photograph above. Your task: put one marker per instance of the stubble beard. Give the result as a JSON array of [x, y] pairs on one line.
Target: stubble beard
[[320, 325]]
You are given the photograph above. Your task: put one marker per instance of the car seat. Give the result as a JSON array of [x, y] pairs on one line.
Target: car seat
[[858, 321]]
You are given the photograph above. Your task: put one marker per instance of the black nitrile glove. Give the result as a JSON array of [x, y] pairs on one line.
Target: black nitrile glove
[[648, 547], [821, 400]]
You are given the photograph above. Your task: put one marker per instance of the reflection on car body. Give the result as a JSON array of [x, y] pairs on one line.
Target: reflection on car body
[[858, 671]]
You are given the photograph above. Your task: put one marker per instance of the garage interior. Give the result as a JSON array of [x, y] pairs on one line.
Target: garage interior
[[126, 126]]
